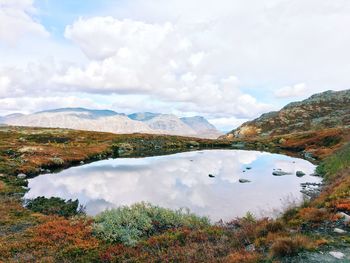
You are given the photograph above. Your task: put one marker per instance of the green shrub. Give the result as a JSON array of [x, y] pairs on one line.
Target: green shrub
[[54, 206], [128, 225]]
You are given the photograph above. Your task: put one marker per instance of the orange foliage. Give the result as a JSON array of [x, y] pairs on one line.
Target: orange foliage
[[243, 257], [314, 215]]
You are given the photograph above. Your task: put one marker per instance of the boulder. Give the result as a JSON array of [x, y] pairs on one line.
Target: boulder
[[280, 173], [339, 231], [300, 173], [21, 176], [337, 254], [346, 217]]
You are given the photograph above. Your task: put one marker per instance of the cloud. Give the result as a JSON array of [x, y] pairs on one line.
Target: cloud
[[160, 60], [16, 21], [298, 90], [27, 104], [226, 59]]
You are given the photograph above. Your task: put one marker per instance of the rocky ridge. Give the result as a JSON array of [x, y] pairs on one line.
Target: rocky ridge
[[330, 109]]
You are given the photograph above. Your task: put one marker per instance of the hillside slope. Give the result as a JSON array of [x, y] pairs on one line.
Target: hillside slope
[[329, 109]]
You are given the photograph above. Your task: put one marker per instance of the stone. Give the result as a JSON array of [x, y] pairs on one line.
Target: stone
[[81, 162], [21, 176], [248, 168], [300, 173], [211, 176], [242, 181], [337, 254], [250, 248], [279, 173], [339, 231], [2, 175], [346, 217]]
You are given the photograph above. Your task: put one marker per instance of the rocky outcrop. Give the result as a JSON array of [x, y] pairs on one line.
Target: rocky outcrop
[[329, 109]]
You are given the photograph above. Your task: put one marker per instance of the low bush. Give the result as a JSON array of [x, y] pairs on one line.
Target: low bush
[[289, 246], [313, 215], [54, 206], [128, 225]]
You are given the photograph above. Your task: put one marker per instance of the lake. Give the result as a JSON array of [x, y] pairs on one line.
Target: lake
[[182, 180]]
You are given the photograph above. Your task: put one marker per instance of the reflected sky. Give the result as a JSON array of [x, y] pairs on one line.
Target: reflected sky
[[181, 180]]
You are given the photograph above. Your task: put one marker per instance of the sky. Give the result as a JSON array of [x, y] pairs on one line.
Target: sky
[[226, 60]]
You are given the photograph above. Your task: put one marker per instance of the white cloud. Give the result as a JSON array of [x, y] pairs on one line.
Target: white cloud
[[27, 104], [159, 60], [298, 90], [181, 56], [16, 20]]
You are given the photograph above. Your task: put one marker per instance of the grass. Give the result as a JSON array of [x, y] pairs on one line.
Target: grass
[[335, 163]]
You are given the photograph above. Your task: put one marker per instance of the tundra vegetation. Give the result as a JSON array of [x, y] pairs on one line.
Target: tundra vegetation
[[54, 230]]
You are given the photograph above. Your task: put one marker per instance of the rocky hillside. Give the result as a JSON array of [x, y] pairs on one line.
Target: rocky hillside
[[329, 109], [110, 121]]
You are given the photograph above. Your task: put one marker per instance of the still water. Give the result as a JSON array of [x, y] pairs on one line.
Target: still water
[[182, 180]]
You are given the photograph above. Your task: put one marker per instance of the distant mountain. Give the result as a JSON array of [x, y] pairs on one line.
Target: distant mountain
[[81, 120], [110, 121], [324, 110], [170, 123], [201, 125]]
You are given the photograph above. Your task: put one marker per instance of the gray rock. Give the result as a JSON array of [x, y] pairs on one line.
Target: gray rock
[[300, 173], [346, 217], [339, 231], [2, 175], [280, 173], [242, 181], [337, 254], [21, 176], [81, 162], [250, 248]]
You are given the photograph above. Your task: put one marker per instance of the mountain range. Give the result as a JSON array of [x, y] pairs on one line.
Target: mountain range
[[329, 109], [111, 121]]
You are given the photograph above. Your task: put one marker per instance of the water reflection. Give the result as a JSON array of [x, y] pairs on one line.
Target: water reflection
[[181, 180]]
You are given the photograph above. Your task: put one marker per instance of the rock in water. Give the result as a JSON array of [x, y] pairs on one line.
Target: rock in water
[[280, 173], [300, 173], [244, 181], [211, 176]]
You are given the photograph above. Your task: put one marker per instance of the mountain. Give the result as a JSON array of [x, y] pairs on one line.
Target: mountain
[[202, 126], [170, 123], [324, 110], [110, 121], [81, 120]]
